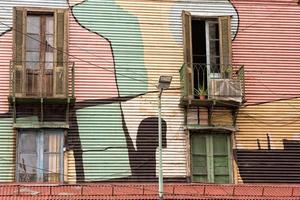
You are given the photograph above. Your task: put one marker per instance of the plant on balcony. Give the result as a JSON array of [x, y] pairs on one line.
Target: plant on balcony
[[227, 71], [201, 92]]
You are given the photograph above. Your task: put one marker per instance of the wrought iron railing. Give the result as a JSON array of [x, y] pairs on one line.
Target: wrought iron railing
[[218, 82], [41, 80]]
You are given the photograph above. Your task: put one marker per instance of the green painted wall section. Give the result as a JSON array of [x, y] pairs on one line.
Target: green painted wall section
[[6, 151], [105, 154], [103, 17]]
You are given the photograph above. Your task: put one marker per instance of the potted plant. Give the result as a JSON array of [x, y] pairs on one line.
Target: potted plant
[[201, 92]]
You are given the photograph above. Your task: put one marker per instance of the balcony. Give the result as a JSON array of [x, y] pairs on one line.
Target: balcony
[[36, 84], [212, 85]]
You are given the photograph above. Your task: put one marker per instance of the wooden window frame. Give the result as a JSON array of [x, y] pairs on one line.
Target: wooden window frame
[[60, 52], [224, 23], [210, 156], [40, 153]]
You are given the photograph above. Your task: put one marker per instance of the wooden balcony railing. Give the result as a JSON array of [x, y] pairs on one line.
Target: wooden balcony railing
[[42, 81]]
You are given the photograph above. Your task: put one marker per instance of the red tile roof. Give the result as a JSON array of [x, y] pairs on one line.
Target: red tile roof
[[148, 191]]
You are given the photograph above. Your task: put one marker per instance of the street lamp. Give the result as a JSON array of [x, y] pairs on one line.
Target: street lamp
[[163, 83]]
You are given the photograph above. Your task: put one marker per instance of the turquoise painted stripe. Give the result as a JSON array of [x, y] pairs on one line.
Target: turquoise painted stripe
[[7, 151], [105, 153]]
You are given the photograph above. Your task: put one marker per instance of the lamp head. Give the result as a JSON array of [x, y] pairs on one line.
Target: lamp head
[[164, 82]]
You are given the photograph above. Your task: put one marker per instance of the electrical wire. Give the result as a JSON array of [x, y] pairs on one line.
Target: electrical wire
[[83, 60]]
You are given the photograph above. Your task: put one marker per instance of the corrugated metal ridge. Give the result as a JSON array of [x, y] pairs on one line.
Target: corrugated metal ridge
[[149, 191]]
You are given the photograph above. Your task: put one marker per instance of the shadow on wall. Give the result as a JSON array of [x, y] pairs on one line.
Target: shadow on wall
[[143, 158], [270, 165]]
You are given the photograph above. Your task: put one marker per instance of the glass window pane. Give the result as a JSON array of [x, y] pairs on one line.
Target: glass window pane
[[49, 60], [49, 43], [214, 30], [32, 60], [27, 143], [52, 155], [33, 24], [52, 142], [33, 42], [27, 166], [52, 167], [49, 25]]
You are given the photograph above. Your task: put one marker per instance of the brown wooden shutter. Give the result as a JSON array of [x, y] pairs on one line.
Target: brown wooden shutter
[[61, 53], [187, 52], [225, 42], [19, 28]]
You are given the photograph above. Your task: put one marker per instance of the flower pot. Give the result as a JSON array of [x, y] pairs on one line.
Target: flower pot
[[202, 97]]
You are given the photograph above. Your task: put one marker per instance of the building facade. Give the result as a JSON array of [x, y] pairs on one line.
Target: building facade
[[79, 99]]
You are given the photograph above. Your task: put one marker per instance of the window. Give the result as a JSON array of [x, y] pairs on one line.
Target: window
[[40, 58], [211, 158], [207, 50], [40, 155]]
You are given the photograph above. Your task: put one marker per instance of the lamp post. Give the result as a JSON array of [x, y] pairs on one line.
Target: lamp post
[[163, 83]]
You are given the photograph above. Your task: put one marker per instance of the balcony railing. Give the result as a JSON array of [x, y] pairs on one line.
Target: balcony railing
[[212, 82], [45, 81]]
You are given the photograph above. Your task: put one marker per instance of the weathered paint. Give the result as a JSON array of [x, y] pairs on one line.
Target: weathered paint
[[267, 143], [124, 36], [268, 45], [120, 48], [7, 139], [142, 39]]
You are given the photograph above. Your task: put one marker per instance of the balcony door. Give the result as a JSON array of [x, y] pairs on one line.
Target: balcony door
[[39, 55]]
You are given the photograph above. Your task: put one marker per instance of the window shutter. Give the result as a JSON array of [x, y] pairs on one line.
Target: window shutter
[[187, 52], [225, 42], [61, 52], [18, 49], [199, 158], [221, 161]]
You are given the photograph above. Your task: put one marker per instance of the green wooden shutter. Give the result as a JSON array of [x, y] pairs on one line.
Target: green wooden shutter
[[187, 52], [210, 158], [225, 44], [221, 158], [61, 37], [199, 158], [19, 28]]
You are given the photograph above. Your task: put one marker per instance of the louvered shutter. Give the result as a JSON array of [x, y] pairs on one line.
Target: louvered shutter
[[187, 52], [61, 53], [225, 44], [18, 50], [221, 160]]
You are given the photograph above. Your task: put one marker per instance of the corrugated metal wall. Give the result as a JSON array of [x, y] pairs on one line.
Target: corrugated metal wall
[[6, 133], [118, 139], [7, 136], [121, 47], [267, 143], [137, 40]]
